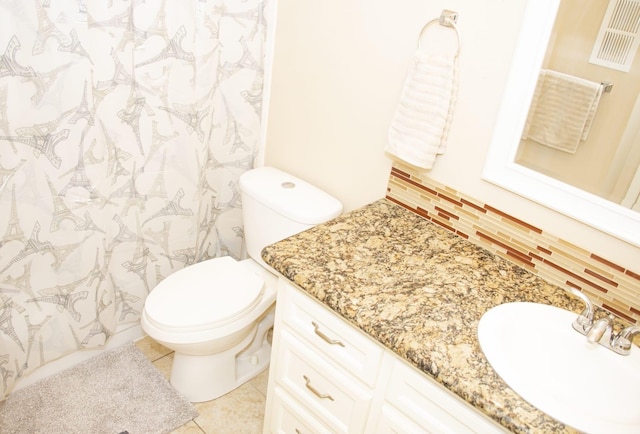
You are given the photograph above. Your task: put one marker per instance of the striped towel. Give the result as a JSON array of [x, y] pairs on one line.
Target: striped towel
[[562, 110], [420, 125]]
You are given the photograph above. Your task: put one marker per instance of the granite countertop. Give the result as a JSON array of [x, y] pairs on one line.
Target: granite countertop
[[420, 291]]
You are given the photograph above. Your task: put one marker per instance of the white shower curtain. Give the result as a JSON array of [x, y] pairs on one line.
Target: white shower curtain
[[124, 126]]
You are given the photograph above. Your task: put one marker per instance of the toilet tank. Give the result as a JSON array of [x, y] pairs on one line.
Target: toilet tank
[[276, 205]]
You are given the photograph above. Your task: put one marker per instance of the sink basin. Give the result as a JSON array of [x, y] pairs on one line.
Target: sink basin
[[535, 350]]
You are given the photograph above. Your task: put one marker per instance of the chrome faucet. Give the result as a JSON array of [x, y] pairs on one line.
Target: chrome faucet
[[601, 331]]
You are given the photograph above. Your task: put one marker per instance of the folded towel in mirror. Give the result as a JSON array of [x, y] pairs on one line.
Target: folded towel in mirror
[[562, 110]]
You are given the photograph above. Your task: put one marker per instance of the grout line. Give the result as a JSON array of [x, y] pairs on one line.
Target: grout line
[[199, 427]]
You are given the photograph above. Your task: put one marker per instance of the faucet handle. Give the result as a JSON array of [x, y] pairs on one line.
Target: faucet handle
[[621, 343], [585, 320]]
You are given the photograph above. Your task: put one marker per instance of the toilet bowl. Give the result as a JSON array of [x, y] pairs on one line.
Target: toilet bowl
[[217, 314]]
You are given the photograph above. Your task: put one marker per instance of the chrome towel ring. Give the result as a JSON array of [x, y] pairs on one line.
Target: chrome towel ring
[[447, 19]]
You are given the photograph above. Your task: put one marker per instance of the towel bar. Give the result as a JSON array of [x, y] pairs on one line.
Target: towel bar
[[607, 86]]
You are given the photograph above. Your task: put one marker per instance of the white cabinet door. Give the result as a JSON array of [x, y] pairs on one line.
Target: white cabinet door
[[289, 417], [420, 400]]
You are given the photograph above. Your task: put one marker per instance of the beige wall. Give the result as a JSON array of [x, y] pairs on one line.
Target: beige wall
[[338, 69]]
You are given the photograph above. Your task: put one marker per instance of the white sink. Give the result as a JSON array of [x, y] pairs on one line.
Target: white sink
[[535, 350]]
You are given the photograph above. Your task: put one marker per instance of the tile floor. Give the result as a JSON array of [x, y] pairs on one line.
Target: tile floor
[[238, 412]]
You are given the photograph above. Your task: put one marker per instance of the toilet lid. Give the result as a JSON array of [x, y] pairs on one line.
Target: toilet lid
[[204, 295]]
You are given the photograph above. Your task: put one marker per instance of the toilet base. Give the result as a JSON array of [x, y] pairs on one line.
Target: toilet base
[[203, 378]]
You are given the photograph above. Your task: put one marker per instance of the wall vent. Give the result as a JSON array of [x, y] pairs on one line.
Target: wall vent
[[619, 36]]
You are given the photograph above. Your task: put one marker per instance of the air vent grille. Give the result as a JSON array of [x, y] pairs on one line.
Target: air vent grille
[[619, 36]]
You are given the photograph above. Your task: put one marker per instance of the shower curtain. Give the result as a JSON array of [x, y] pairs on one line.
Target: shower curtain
[[124, 126]]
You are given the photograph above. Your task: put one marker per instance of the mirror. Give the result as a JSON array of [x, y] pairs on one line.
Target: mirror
[[605, 159], [505, 165]]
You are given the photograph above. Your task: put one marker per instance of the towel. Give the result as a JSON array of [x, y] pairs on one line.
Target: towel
[[562, 110], [420, 125]]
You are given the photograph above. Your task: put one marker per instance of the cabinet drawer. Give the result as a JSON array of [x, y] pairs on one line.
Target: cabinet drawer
[[330, 334], [329, 394], [289, 417], [431, 406]]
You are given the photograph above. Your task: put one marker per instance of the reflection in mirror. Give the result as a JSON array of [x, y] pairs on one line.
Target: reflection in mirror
[[584, 121], [545, 181]]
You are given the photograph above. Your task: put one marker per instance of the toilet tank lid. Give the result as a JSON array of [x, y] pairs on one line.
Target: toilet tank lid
[[290, 196]]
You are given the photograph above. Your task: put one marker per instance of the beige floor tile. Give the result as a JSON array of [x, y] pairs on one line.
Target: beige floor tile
[[240, 411], [261, 381], [164, 364], [151, 348], [189, 428]]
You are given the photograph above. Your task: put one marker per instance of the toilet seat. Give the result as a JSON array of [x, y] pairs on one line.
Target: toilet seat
[[204, 296]]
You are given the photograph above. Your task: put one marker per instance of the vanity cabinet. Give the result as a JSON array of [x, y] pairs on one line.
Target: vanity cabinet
[[326, 376]]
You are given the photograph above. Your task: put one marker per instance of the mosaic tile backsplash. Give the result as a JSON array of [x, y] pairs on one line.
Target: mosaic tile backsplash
[[557, 261]]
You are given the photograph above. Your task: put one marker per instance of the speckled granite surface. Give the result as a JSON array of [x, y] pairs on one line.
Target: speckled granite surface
[[420, 291]]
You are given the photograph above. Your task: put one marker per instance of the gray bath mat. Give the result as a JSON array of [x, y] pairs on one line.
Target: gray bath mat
[[118, 391]]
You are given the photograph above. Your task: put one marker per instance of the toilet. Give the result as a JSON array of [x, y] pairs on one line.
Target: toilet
[[217, 314]]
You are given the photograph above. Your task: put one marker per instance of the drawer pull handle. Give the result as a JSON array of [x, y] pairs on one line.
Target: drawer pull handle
[[316, 329], [315, 391]]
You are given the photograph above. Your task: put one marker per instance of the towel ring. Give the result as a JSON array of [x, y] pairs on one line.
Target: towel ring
[[447, 19]]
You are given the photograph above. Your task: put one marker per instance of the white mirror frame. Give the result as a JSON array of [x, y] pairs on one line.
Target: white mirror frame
[[500, 168]]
